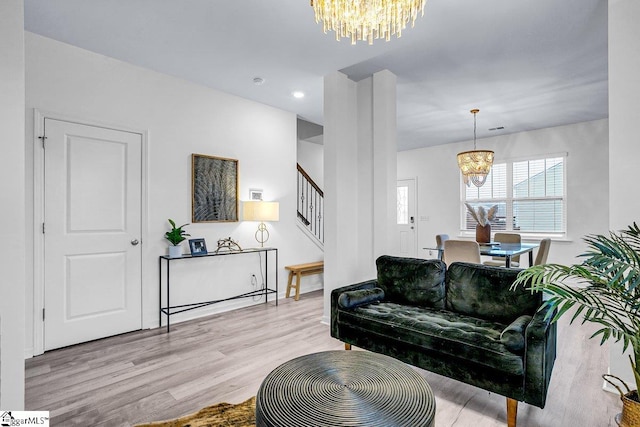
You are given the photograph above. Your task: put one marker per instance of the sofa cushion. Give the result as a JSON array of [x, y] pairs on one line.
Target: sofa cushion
[[352, 299], [513, 335], [412, 281], [484, 291], [455, 335]]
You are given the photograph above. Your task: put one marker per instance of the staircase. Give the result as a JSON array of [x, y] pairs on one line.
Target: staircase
[[310, 206]]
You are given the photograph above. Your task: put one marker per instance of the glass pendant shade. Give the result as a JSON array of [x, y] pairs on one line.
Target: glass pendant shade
[[476, 164], [367, 19]]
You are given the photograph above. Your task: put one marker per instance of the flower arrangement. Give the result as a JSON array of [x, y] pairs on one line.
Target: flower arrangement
[[482, 215]]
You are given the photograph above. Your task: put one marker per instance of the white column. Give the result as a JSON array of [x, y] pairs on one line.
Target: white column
[[12, 214], [624, 149], [385, 164], [360, 177]]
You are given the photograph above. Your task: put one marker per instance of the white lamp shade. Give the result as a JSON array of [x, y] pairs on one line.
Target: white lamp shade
[[261, 211]]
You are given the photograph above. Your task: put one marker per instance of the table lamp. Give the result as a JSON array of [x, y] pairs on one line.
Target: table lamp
[[261, 211]]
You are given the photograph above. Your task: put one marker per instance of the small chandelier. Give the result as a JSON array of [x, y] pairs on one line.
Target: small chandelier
[[475, 165], [367, 19]]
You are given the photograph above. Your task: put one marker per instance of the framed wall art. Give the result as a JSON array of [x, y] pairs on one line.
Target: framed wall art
[[255, 194], [214, 188]]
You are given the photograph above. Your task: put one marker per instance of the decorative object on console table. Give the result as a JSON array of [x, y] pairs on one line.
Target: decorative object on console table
[[261, 211], [228, 245], [198, 247], [483, 218], [214, 189], [175, 236], [611, 270]]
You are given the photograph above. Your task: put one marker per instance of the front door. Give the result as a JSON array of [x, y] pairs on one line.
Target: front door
[[92, 228], [406, 217]]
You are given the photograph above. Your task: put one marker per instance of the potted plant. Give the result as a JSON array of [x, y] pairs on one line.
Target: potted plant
[[175, 236], [607, 293], [483, 218]]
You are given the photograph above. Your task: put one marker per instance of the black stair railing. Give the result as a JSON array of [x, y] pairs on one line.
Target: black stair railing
[[310, 204]]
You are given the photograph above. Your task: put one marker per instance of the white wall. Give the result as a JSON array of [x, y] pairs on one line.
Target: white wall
[[12, 189], [311, 158], [587, 169], [624, 149], [180, 118]]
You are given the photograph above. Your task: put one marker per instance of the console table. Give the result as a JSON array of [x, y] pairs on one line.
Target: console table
[[170, 310]]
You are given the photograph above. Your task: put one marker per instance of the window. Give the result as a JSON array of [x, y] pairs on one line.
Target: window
[[530, 195]]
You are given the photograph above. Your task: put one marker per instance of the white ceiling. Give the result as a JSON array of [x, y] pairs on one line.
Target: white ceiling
[[526, 64]]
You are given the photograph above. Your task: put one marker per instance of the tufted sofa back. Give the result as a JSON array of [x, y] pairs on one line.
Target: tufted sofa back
[[412, 281], [484, 291]]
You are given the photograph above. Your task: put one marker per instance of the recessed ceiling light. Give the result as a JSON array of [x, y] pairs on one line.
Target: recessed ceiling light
[[298, 94], [258, 81]]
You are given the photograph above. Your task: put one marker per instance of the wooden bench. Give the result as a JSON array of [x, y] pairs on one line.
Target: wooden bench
[[300, 270]]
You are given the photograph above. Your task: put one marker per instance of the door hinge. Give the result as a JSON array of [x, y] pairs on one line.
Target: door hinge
[[42, 138], [43, 228], [43, 314]]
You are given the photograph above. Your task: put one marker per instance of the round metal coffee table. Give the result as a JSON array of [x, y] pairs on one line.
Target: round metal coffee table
[[344, 388]]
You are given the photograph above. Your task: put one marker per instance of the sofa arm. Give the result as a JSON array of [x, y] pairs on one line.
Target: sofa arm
[[513, 335], [540, 355], [335, 295]]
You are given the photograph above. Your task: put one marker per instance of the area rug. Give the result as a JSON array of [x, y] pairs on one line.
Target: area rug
[[220, 415]]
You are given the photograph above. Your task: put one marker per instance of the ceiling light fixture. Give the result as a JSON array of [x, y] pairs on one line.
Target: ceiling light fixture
[[475, 165], [367, 19], [298, 94]]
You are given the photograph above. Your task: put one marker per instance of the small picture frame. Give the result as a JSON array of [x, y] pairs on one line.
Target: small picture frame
[[255, 194], [198, 247]]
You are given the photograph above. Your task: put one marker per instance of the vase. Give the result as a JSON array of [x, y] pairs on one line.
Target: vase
[[630, 415], [483, 233], [175, 251]]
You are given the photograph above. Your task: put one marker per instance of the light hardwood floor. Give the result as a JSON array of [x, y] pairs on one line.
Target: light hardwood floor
[[151, 375]]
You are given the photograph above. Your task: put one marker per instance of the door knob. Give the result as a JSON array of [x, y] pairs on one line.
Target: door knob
[[134, 242]]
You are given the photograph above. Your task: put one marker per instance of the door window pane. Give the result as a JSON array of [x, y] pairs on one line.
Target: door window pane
[[403, 205]]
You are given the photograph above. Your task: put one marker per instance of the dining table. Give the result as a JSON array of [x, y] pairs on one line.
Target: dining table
[[498, 249]]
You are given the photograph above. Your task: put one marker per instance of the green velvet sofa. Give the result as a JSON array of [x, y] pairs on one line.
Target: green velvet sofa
[[462, 322]]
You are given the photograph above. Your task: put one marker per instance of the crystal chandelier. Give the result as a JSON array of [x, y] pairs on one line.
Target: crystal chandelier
[[367, 19], [475, 165]]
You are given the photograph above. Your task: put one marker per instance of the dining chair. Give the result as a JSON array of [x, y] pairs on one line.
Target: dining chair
[[505, 238], [543, 252], [440, 239], [461, 251]]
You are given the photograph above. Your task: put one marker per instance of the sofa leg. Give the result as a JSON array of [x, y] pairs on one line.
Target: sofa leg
[[347, 346], [512, 412]]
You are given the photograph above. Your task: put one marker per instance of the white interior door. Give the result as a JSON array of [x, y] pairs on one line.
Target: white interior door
[[406, 217], [92, 255]]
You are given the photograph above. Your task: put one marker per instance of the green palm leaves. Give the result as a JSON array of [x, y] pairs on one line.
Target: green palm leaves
[[604, 289]]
